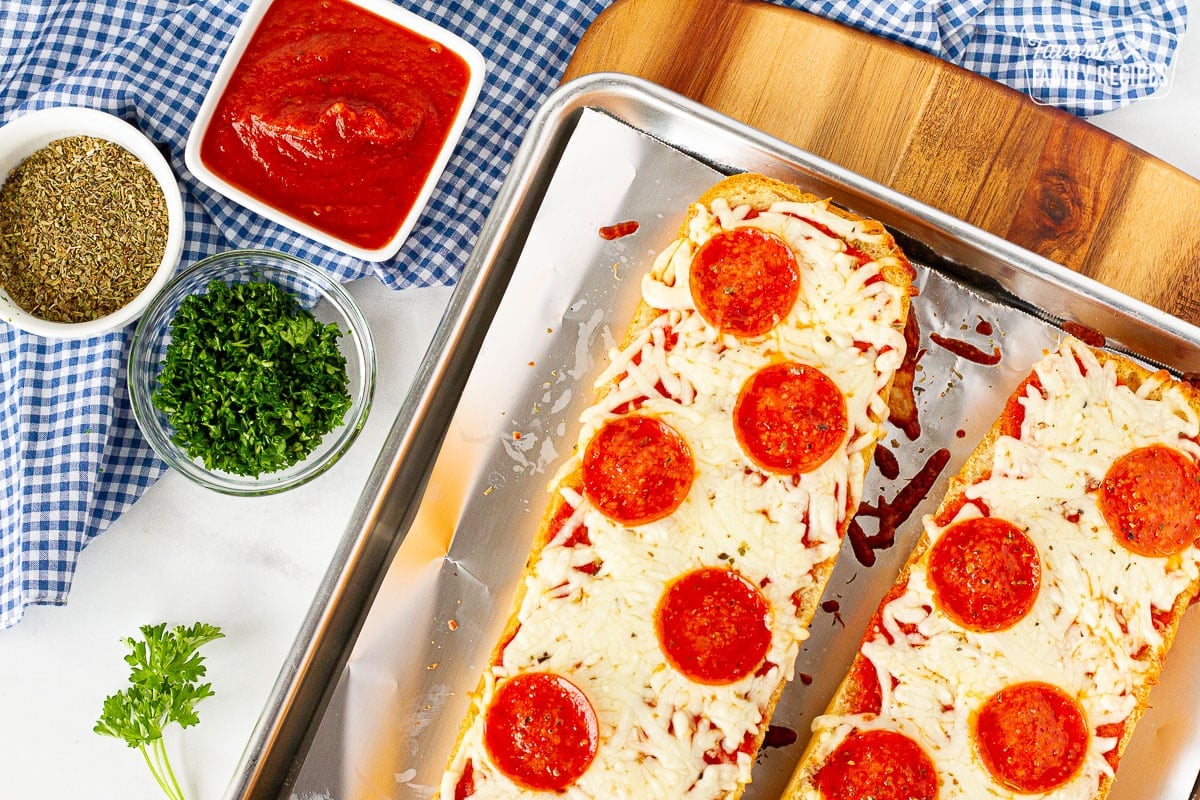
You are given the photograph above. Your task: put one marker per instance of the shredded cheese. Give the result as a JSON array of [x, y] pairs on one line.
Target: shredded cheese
[[1090, 631], [660, 732]]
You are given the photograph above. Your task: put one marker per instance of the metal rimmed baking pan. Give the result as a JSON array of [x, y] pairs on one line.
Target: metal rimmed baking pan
[[369, 701]]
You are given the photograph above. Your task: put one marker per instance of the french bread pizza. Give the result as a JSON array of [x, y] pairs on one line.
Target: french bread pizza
[[688, 538], [1016, 650]]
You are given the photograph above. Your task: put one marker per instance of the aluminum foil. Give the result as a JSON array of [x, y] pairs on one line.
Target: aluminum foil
[[394, 714]]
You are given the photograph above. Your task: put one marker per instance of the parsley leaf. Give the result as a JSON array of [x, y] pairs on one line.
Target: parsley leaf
[[251, 381], [165, 668]]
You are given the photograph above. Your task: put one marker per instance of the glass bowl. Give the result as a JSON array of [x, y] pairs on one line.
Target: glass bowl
[[328, 302]]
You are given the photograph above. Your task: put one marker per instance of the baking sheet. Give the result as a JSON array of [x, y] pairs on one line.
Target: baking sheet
[[396, 706]]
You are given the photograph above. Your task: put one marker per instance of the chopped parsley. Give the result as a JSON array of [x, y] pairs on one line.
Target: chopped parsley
[[251, 381]]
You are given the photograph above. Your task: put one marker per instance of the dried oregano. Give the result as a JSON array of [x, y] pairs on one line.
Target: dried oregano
[[83, 228]]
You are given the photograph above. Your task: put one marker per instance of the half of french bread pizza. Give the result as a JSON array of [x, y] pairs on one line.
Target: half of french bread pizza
[[687, 540], [1017, 648]]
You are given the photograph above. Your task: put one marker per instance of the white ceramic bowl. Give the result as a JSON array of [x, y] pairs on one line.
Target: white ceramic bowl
[[26, 135], [388, 11]]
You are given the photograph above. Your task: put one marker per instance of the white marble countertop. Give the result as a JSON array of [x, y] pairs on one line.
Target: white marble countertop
[[183, 554]]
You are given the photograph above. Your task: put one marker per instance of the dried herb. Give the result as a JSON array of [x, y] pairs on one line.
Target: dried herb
[[251, 381], [83, 227]]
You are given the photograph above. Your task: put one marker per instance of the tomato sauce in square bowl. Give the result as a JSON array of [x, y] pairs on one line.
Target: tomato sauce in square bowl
[[336, 118]]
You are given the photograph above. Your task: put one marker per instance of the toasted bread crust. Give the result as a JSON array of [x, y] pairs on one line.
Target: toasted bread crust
[[759, 192], [976, 468]]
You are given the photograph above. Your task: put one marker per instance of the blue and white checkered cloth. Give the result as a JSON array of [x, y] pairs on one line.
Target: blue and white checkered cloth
[[71, 456], [1084, 56]]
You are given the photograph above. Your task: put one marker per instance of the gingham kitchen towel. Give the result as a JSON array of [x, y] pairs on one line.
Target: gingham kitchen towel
[[71, 456], [1084, 56]]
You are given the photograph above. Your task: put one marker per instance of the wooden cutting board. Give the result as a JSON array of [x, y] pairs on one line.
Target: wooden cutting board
[[1040, 177]]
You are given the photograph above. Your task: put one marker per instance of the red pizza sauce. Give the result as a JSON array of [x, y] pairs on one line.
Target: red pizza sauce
[[895, 512], [879, 764], [902, 399], [889, 465], [863, 693], [619, 230], [966, 350], [637, 469], [790, 418], [578, 534], [466, 783], [335, 116], [713, 626], [744, 281], [541, 731], [1089, 336], [1013, 415], [985, 573], [858, 255], [1150, 499], [1031, 737]]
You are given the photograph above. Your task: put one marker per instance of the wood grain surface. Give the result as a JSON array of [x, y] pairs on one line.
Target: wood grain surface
[[1042, 178]]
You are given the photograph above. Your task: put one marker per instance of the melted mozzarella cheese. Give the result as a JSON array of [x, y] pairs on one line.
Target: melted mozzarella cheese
[[1090, 631], [658, 729]]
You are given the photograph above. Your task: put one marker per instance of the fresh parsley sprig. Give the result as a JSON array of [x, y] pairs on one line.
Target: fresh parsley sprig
[[165, 668]]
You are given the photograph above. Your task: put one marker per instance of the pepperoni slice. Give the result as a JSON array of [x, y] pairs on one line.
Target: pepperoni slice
[[985, 573], [790, 418], [883, 765], [541, 731], [1031, 737], [1150, 498], [744, 281], [713, 625], [637, 469]]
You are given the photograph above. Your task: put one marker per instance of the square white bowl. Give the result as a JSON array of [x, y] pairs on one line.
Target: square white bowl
[[392, 13]]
